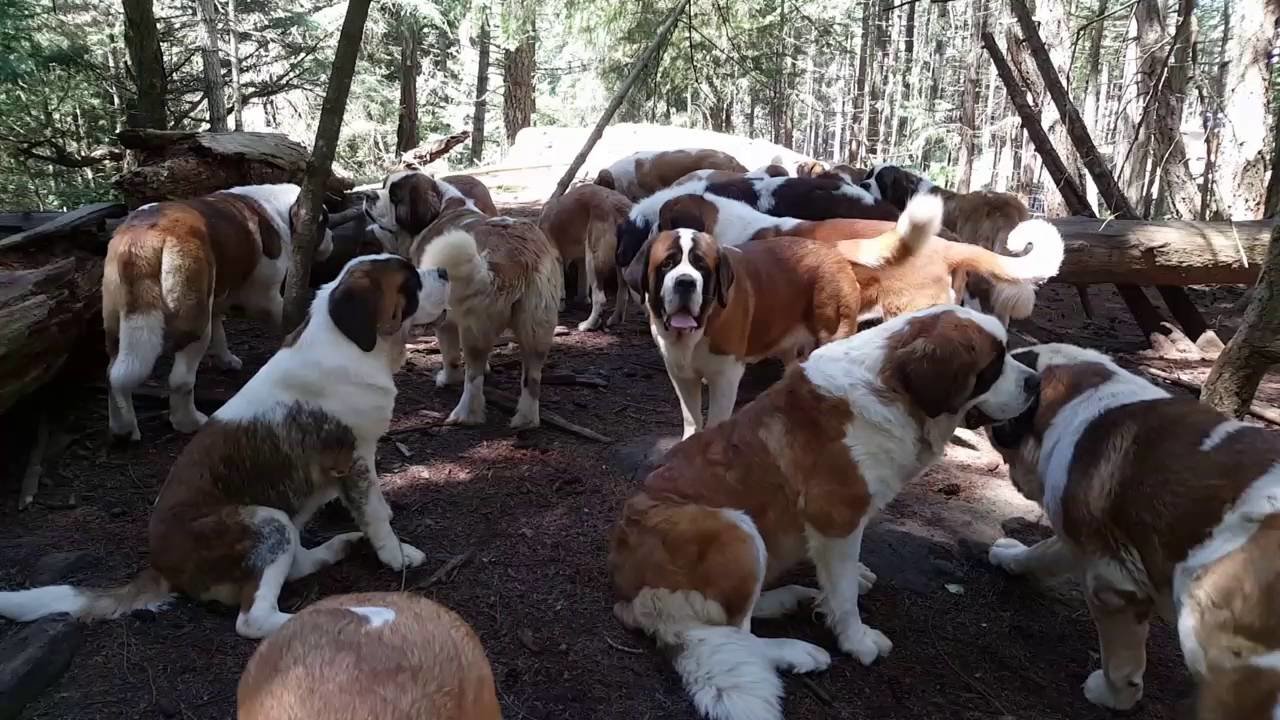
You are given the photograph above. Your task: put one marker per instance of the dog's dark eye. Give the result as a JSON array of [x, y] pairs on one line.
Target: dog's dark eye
[[669, 263]]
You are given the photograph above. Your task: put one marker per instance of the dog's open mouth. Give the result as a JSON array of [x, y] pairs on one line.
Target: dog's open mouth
[[682, 321]]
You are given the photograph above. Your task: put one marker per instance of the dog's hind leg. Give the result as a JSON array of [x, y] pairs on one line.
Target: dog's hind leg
[[447, 337], [597, 295], [270, 559], [783, 601], [183, 414], [1122, 617], [310, 560], [470, 408], [531, 361]]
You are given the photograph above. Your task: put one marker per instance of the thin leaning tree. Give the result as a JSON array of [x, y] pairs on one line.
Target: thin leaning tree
[[297, 292]]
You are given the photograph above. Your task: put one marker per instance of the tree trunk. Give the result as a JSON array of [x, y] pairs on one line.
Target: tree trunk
[[1178, 188], [908, 77], [297, 288], [1254, 348], [407, 134], [237, 96], [1093, 62], [876, 72], [1243, 152], [482, 93], [143, 41], [1143, 67], [517, 71], [858, 128], [214, 90]]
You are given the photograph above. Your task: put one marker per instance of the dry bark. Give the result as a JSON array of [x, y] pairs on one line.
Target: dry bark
[[214, 90], [482, 92], [1255, 348], [1172, 252], [147, 63]]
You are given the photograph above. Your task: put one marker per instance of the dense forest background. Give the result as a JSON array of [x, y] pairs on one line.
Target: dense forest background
[[1178, 94]]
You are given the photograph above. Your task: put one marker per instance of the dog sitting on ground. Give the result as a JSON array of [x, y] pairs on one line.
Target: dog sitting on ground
[[795, 475], [390, 656], [301, 432], [926, 278], [714, 309], [173, 269], [1162, 505], [504, 273], [641, 174], [981, 218], [582, 224]]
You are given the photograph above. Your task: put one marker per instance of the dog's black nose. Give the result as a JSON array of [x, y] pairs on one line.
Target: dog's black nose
[[685, 284], [1032, 385], [442, 274]]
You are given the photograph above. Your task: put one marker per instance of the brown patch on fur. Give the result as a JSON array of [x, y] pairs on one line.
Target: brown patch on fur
[[694, 212], [416, 200], [586, 216], [712, 176], [983, 218], [1235, 598], [663, 169], [329, 663], [1060, 384], [781, 460], [474, 190], [1240, 693], [936, 360], [810, 168], [604, 179]]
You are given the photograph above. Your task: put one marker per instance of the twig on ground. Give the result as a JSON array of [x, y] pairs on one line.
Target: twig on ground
[[620, 646], [574, 379], [447, 571], [821, 695], [508, 402], [646, 366], [933, 638]]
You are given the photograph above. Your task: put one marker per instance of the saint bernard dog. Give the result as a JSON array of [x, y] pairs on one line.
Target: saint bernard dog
[[982, 218], [927, 278], [420, 199], [301, 432], [784, 197], [641, 174], [713, 310], [582, 225], [794, 476], [390, 656], [504, 273], [1162, 505], [173, 269]]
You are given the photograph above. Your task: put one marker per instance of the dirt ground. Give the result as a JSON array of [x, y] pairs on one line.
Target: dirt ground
[[523, 520]]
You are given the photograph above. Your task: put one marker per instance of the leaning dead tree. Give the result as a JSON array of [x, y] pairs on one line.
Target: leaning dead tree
[[297, 292], [637, 69]]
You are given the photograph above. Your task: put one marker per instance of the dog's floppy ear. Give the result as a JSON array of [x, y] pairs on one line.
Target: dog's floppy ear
[[1030, 358], [724, 275], [604, 179], [693, 212], [416, 199], [373, 299], [636, 273], [937, 382]]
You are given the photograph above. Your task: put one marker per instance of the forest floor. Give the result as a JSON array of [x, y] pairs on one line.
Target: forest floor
[[523, 522]]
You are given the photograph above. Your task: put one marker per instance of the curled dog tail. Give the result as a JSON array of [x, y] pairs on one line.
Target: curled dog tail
[[917, 225], [456, 252], [148, 590], [1014, 278], [727, 671]]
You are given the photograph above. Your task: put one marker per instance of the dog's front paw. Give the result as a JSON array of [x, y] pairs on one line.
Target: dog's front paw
[[1006, 553], [588, 325], [465, 416], [866, 643], [798, 656], [1101, 692], [188, 423], [401, 556]]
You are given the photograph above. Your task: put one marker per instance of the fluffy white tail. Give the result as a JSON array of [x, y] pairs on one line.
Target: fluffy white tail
[[141, 342], [147, 590], [728, 675], [456, 252], [917, 225]]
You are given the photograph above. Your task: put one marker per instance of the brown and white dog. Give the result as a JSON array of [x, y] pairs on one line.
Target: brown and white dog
[[173, 269], [982, 218], [503, 272], [1161, 505], [301, 432], [390, 656], [925, 278], [796, 475], [421, 198], [713, 309], [583, 225], [641, 174]]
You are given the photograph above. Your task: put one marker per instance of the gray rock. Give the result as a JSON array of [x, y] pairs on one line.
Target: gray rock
[[34, 658], [54, 567]]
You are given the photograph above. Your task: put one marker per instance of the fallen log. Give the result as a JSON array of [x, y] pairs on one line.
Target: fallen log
[[44, 311], [1173, 252], [173, 164], [92, 217]]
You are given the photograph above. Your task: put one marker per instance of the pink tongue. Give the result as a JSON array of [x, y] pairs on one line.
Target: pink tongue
[[683, 321]]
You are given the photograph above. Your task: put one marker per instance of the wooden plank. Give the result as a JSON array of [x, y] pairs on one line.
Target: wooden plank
[[1169, 252], [67, 223], [19, 221]]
